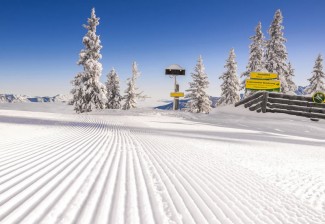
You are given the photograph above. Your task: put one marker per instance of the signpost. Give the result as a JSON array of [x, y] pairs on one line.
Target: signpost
[[263, 81], [177, 94], [263, 75], [175, 70], [253, 84]]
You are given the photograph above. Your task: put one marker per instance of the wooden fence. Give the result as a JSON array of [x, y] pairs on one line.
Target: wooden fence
[[273, 102]]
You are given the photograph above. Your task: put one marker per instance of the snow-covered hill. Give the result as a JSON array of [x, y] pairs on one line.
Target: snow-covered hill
[[153, 166]]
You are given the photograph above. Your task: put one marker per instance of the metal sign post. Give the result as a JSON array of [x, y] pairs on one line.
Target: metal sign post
[[175, 70], [176, 99]]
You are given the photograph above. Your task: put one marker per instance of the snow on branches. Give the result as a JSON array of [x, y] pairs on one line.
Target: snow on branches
[[199, 101], [113, 91], [318, 77], [88, 92], [230, 85], [256, 56], [288, 76], [276, 53], [131, 93]]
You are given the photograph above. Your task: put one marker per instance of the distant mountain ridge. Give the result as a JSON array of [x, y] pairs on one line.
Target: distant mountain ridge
[[300, 90], [13, 98]]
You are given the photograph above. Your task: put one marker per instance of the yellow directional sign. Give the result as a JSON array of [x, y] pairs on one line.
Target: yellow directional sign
[[255, 84], [177, 94], [263, 75]]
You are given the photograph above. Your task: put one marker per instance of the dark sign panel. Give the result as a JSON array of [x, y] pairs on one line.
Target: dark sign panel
[[175, 72]]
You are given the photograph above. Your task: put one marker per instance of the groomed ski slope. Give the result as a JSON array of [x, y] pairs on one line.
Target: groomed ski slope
[[157, 167]]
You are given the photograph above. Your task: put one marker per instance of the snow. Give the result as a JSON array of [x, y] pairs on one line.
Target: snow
[[155, 166], [175, 67]]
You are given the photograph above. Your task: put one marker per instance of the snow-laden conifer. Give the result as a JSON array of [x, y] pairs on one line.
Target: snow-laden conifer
[[288, 77], [230, 86], [276, 53], [113, 90], [131, 93], [256, 56], [199, 101], [88, 92], [317, 79], [284, 85]]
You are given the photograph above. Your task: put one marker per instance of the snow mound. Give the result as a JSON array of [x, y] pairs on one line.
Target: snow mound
[[225, 167]]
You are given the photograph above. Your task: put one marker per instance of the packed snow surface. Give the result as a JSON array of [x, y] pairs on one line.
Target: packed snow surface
[[153, 166]]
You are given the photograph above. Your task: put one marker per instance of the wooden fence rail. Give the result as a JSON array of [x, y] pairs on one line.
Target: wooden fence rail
[[271, 102]]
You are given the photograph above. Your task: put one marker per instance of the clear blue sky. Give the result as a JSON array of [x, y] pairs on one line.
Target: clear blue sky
[[41, 40]]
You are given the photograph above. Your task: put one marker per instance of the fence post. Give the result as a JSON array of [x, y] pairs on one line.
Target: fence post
[[309, 105], [264, 101]]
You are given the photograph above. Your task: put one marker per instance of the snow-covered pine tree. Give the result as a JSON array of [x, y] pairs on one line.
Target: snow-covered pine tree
[[131, 90], [288, 76], [284, 84], [318, 77], [256, 57], [230, 86], [88, 92], [199, 101], [113, 91], [276, 53]]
